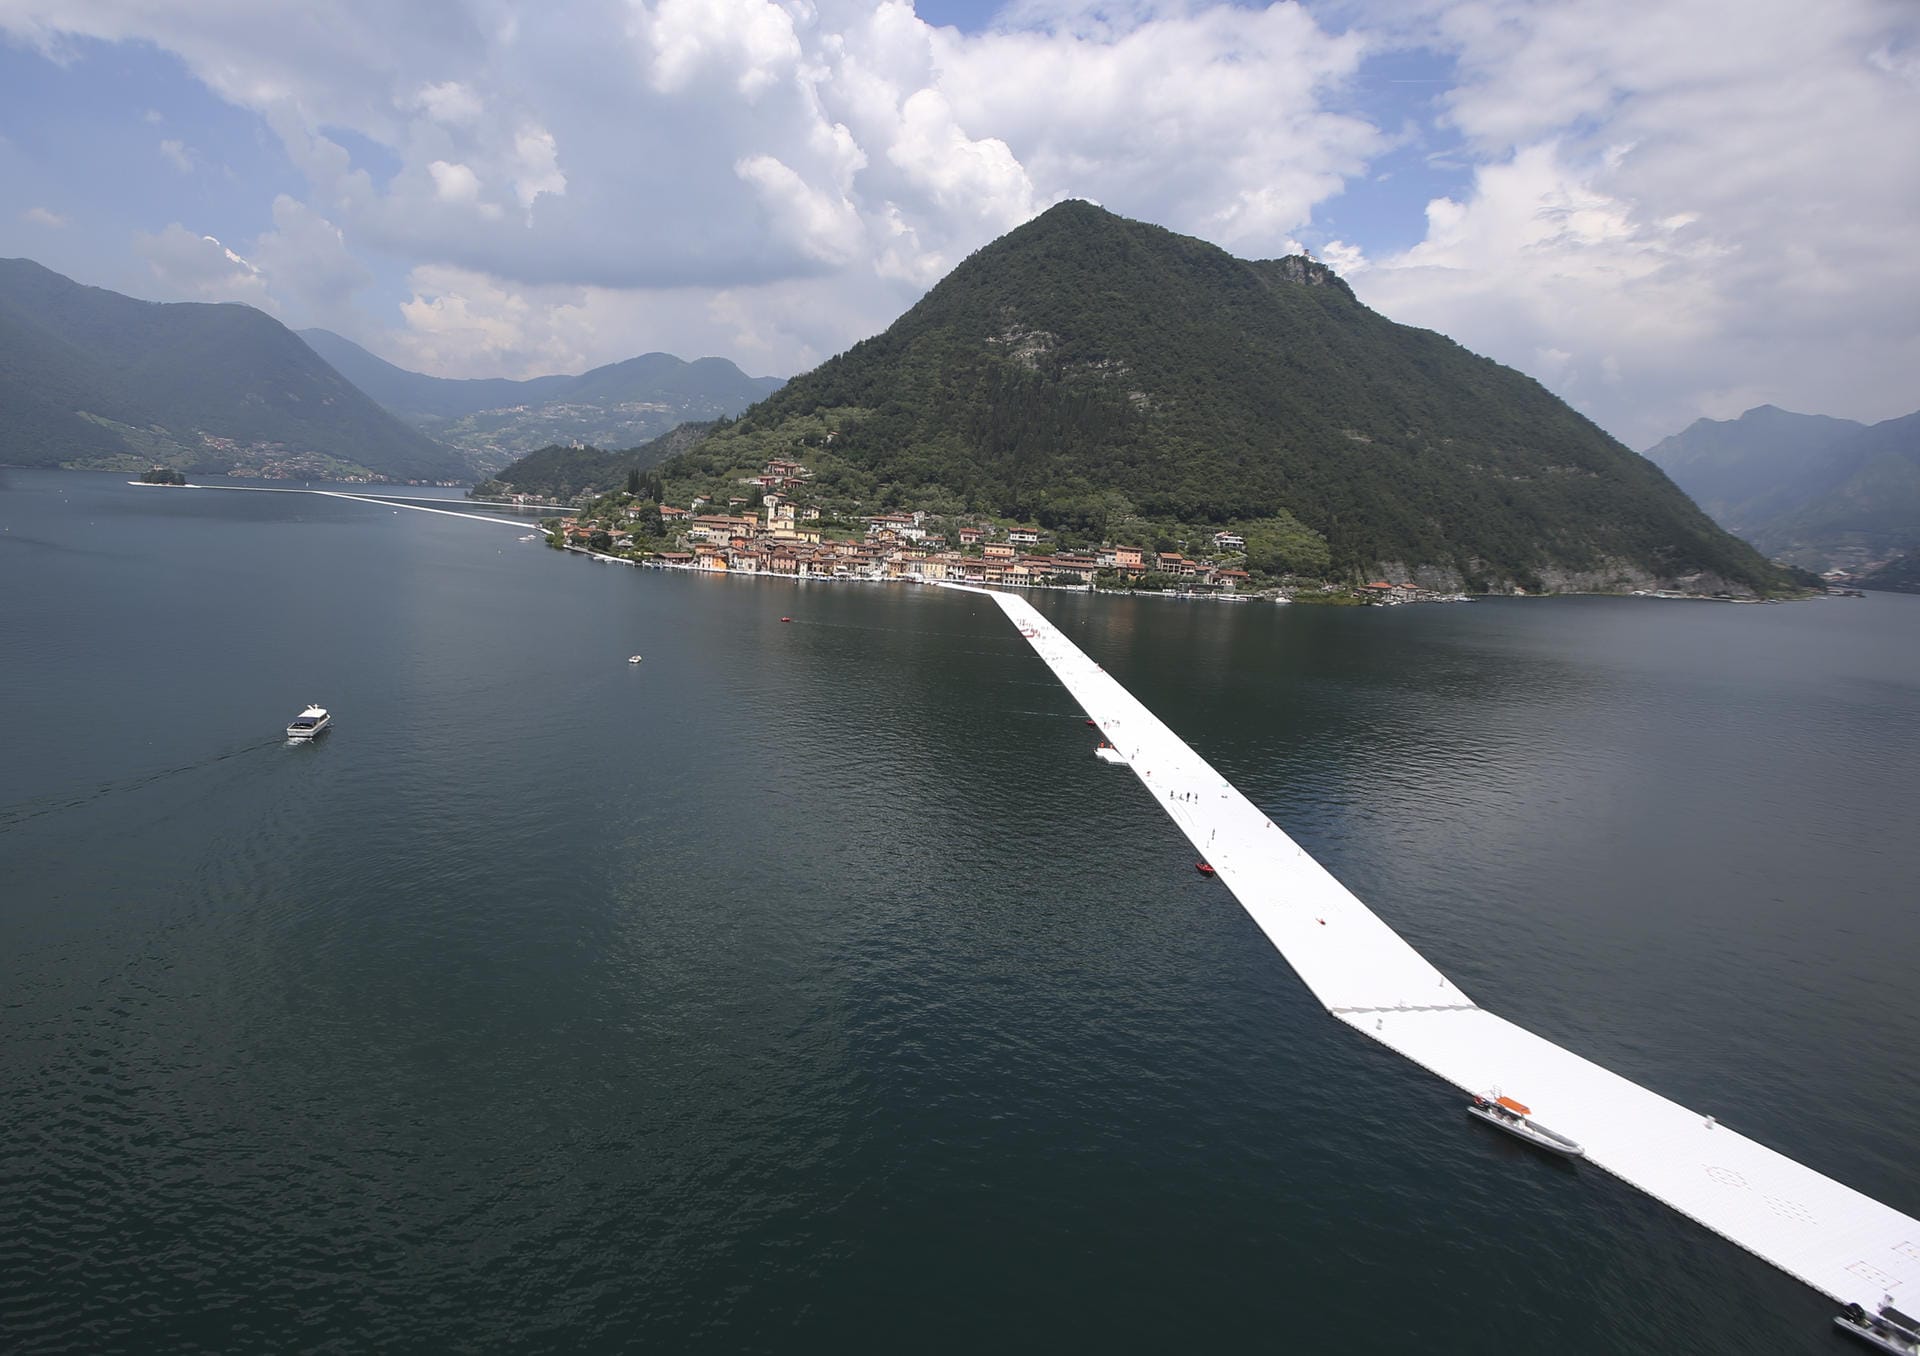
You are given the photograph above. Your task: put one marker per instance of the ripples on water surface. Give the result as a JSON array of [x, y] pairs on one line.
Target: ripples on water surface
[[810, 987]]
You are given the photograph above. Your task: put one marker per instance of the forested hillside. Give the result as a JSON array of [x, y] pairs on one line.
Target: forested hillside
[[91, 378], [560, 473]]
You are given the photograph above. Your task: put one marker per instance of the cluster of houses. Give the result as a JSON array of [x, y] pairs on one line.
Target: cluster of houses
[[785, 539]]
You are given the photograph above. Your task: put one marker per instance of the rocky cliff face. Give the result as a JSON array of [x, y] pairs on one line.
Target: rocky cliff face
[[1296, 268]]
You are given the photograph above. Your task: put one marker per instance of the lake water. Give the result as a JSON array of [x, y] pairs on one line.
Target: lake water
[[810, 987]]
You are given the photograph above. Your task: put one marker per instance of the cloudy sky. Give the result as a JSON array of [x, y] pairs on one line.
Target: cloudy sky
[[1660, 208]]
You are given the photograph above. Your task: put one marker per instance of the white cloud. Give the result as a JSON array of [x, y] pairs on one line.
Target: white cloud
[[175, 153], [458, 321], [732, 144], [1213, 121], [537, 165], [189, 267], [750, 41], [1696, 204], [454, 183], [1345, 259], [306, 263], [824, 225], [1666, 204], [461, 323], [43, 216], [450, 102]]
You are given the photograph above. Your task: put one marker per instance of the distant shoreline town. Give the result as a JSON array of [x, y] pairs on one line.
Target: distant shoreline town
[[769, 531]]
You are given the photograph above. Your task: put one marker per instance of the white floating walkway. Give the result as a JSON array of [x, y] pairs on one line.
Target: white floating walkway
[[1815, 1229], [394, 502]]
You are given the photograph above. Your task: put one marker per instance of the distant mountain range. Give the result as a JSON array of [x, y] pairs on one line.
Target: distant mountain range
[[1099, 376], [93, 379], [1815, 491], [496, 420]]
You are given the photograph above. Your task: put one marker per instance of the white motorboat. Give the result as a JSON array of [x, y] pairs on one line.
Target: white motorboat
[[1517, 1120], [633, 659], [1107, 753], [1889, 1329], [310, 723]]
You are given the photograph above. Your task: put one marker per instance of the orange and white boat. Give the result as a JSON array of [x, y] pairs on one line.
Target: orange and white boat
[[1516, 1118]]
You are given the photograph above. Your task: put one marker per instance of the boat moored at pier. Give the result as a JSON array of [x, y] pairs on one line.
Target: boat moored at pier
[[1888, 1329], [1516, 1119]]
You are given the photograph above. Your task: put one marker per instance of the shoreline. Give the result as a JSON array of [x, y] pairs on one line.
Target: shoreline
[[1279, 600]]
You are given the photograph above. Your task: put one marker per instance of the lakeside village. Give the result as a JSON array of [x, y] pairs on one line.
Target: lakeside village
[[769, 529]]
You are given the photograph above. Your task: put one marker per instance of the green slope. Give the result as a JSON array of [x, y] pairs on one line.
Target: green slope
[[563, 472], [1086, 366], [92, 378]]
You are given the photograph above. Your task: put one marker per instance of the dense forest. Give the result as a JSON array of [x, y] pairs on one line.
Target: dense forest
[[1086, 367]]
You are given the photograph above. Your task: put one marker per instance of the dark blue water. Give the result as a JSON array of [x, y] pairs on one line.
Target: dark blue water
[[810, 987]]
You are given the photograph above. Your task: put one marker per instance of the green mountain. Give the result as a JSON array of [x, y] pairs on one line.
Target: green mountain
[[91, 378], [560, 473], [1744, 471], [497, 420], [1809, 489], [1086, 371]]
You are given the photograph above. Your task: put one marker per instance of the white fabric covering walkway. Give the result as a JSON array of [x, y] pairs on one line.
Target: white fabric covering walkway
[[1815, 1229]]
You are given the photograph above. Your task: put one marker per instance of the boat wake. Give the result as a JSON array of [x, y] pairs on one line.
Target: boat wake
[[20, 812]]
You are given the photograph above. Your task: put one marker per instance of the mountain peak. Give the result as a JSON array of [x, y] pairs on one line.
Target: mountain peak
[[1086, 370]]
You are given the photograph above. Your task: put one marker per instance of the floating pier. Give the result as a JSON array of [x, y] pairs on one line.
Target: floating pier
[[1819, 1231]]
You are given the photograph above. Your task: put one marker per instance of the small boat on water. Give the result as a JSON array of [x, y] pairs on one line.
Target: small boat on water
[[1204, 868], [633, 659], [310, 724], [1889, 1329], [786, 619], [1107, 753], [1516, 1119]]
